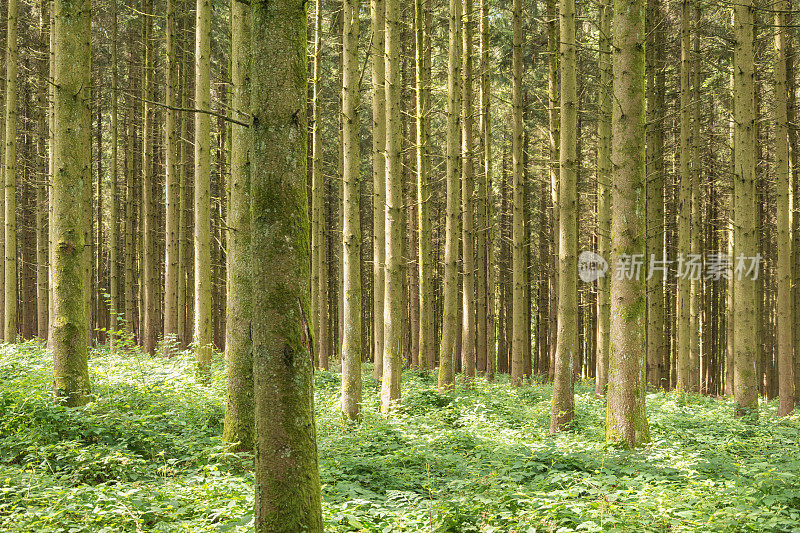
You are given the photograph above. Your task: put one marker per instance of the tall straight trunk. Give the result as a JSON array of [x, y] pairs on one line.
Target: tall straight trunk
[[626, 419], [684, 209], [319, 247], [149, 310], [351, 229], [10, 155], [483, 197], [393, 275], [604, 197], [746, 339], [3, 99], [427, 339], [554, 127], [113, 234], [563, 404], [655, 200], [287, 495], [378, 21], [172, 181], [203, 330], [239, 425], [42, 205], [183, 241], [795, 184], [71, 161], [129, 288], [696, 211], [447, 350], [784, 217], [518, 327], [468, 348], [100, 284]]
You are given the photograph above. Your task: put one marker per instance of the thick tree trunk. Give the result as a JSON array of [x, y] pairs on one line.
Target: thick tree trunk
[[563, 405], [626, 419], [71, 163], [287, 496]]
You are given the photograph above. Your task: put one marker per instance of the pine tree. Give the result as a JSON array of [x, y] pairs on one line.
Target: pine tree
[[287, 496], [378, 21], [10, 161], [72, 172], [626, 419]]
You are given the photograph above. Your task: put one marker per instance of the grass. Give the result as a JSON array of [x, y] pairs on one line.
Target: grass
[[146, 455]]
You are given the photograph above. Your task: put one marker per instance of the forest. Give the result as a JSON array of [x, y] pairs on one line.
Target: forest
[[445, 265]]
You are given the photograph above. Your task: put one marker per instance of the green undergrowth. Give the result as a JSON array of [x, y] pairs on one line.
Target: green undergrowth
[[145, 455]]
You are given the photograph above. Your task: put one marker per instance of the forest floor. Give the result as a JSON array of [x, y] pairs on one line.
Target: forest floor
[[146, 456]]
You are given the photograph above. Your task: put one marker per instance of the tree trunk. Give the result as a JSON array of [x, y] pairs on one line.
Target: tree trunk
[[518, 327], [393, 281], [351, 229], [468, 349], [71, 162], [483, 197], [149, 333], [287, 496], [563, 406], [784, 217], [604, 197], [427, 340], [378, 21], [684, 210], [172, 186], [239, 423], [447, 351], [626, 419], [746, 339], [10, 157], [203, 330], [42, 218]]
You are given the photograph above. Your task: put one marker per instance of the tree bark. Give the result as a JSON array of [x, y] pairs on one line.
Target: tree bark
[[378, 21], [468, 348], [518, 328], [563, 406], [351, 229], [72, 175], [626, 419], [10, 159]]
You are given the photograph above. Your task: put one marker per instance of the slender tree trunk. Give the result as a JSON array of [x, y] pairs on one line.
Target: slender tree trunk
[[447, 351], [563, 406], [684, 210], [746, 339], [468, 348], [553, 93], [393, 281], [42, 205], [696, 210], [203, 329], [379, 91], [784, 217], [130, 187], [626, 419], [149, 305], [483, 197], [71, 160], [604, 197], [518, 327], [287, 496], [655, 202], [10, 155], [239, 423], [351, 230], [427, 340], [172, 181]]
